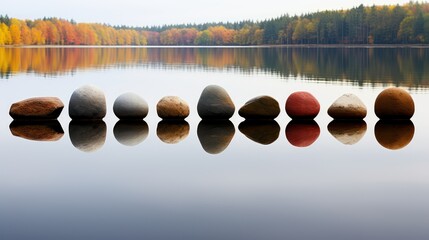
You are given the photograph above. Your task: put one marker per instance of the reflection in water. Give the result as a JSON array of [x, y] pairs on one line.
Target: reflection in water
[[398, 66], [347, 132], [394, 134], [171, 131], [216, 135], [87, 136], [302, 133], [37, 130], [131, 132], [264, 131]]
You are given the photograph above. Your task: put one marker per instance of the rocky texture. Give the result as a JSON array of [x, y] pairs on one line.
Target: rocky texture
[[87, 103], [348, 106], [130, 106], [172, 132], [302, 105], [130, 133], [172, 107], [215, 136], [263, 131], [37, 130], [215, 103], [87, 136], [394, 103], [302, 133], [38, 108], [347, 132], [394, 134], [261, 107]]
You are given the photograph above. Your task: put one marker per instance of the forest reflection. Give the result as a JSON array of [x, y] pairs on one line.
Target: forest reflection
[[398, 66]]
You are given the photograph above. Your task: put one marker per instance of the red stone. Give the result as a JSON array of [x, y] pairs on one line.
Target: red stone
[[302, 133], [302, 105]]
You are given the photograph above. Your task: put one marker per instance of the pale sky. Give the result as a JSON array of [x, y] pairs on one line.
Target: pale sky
[[159, 12]]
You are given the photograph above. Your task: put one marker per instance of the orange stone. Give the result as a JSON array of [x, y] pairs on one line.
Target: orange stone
[[394, 103]]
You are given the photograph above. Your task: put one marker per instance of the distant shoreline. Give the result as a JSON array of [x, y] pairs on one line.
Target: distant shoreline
[[230, 46]]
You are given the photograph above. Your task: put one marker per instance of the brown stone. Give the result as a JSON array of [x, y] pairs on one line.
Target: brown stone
[[172, 107], [37, 130], [38, 108], [302, 105], [394, 103], [394, 134], [261, 131], [262, 107], [172, 132]]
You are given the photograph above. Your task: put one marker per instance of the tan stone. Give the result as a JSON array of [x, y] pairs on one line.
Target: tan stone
[[172, 107]]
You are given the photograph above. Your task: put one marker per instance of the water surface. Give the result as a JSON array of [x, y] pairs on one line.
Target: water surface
[[203, 180]]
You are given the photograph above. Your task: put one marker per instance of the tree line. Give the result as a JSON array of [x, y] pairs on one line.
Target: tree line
[[389, 24]]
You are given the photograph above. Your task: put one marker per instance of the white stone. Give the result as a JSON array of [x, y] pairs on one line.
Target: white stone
[[348, 106]]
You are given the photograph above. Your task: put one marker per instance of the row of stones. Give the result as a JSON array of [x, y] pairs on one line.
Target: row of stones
[[89, 103]]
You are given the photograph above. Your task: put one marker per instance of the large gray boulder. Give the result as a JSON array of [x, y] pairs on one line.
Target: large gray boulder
[[215, 103], [87, 103], [130, 106]]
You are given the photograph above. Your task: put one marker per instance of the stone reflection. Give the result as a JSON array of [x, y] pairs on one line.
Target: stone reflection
[[87, 136], [261, 131], [302, 133], [215, 135], [130, 132], [50, 130], [172, 131], [394, 134], [348, 132]]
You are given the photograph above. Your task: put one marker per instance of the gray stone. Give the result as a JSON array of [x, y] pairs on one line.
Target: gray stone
[[130, 106], [348, 106], [88, 136], [131, 133], [87, 103], [215, 103]]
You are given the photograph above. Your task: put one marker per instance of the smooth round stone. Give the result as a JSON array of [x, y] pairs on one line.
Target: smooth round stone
[[50, 130], [215, 136], [302, 105], [172, 132], [130, 133], [172, 107], [302, 133], [87, 103], [347, 132], [88, 136], [264, 132], [38, 108], [394, 103], [215, 103], [130, 106], [393, 134], [348, 106], [261, 107]]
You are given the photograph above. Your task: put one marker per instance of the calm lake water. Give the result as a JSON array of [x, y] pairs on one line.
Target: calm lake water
[[199, 180]]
